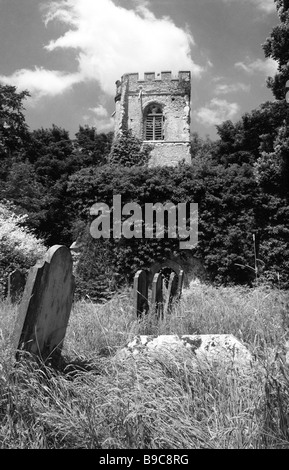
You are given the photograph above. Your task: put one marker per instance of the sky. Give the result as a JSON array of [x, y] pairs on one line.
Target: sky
[[69, 53]]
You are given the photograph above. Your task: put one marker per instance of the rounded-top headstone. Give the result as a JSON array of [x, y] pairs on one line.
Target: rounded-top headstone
[[46, 304]]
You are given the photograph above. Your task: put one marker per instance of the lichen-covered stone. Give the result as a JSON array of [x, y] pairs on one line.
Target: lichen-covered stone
[[225, 349]]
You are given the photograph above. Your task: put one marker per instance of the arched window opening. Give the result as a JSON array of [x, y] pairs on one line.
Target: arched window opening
[[154, 123]]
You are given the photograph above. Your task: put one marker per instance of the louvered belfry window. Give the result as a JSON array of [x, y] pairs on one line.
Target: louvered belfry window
[[154, 123]]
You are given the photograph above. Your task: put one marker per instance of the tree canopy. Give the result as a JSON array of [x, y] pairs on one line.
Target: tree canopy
[[277, 47]]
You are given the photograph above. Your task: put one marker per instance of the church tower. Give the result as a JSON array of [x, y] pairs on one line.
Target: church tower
[[157, 110]]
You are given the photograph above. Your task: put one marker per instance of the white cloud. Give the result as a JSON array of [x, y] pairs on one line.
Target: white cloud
[[216, 112], [99, 118], [108, 40], [267, 6], [224, 89], [41, 82], [99, 111], [266, 67], [104, 126]]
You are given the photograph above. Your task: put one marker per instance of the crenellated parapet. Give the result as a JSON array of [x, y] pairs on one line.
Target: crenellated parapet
[[168, 75], [157, 82]]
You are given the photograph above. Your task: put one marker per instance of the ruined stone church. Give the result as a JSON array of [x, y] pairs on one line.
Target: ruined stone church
[[156, 107]]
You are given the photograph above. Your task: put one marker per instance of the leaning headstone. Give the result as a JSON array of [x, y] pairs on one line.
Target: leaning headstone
[[140, 293], [157, 295], [46, 305], [15, 285]]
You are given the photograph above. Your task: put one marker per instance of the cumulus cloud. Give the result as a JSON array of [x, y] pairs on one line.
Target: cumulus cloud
[[99, 117], [108, 40], [224, 89], [41, 82], [216, 112], [267, 66]]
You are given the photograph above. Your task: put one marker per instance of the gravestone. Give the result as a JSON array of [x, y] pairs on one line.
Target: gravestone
[[46, 305], [140, 295], [180, 284], [157, 295], [172, 291], [15, 285]]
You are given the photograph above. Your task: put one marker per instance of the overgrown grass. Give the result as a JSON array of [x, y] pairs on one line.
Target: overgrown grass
[[98, 400]]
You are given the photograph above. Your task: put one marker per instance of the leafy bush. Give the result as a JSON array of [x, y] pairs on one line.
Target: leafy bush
[[19, 248], [228, 201], [128, 150]]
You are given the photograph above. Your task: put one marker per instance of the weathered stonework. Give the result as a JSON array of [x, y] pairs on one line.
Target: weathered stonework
[[170, 154], [134, 95]]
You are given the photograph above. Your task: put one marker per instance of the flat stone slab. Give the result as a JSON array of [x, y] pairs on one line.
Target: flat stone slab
[[211, 348]]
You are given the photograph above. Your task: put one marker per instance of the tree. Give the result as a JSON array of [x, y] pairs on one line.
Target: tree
[[272, 168], [255, 132], [200, 148], [24, 190], [91, 147], [50, 152], [36, 182], [37, 175], [14, 132], [277, 47]]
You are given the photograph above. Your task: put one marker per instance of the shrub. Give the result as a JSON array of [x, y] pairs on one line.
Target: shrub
[[19, 248], [128, 150]]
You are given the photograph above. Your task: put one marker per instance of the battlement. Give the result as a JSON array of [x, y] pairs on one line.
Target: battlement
[[158, 82], [156, 76]]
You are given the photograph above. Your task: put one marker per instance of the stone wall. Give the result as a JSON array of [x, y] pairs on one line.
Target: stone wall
[[169, 154], [134, 95]]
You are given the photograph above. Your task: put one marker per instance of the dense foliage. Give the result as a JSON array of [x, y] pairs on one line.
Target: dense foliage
[[277, 47], [232, 208], [19, 248], [239, 182], [128, 150]]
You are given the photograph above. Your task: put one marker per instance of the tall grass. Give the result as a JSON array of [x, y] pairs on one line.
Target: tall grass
[[98, 400]]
